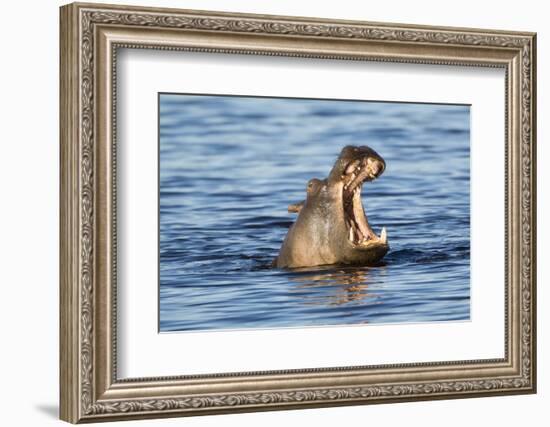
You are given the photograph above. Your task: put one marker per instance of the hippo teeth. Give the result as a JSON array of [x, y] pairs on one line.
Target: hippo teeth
[[383, 235], [359, 231], [351, 167]]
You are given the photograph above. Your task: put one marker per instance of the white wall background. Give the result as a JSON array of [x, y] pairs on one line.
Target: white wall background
[[29, 170]]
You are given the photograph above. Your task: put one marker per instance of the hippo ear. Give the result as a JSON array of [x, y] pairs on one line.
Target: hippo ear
[[296, 207]]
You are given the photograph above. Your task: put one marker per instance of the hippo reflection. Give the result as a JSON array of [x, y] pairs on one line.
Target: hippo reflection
[[339, 287]]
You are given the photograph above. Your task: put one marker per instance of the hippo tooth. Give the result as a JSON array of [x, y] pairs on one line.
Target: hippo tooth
[[350, 234], [383, 235]]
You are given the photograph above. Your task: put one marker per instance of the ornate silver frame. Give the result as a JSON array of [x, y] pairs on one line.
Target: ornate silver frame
[[90, 36]]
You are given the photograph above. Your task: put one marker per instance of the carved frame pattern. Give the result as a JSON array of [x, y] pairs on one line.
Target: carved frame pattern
[[80, 23]]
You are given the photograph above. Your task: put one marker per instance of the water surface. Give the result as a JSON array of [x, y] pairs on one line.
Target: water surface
[[230, 166]]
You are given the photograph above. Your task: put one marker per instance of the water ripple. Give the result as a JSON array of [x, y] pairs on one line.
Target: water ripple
[[230, 166]]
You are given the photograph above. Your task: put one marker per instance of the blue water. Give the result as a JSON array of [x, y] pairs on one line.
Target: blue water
[[230, 166]]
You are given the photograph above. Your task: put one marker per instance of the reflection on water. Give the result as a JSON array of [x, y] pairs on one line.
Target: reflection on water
[[346, 285], [230, 166]]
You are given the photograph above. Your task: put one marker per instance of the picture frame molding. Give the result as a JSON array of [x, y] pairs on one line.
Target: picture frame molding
[[89, 38]]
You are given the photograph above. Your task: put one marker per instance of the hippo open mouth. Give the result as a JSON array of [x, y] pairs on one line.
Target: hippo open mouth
[[358, 172], [332, 227]]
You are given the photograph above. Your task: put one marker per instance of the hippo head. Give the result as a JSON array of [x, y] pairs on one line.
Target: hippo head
[[332, 227]]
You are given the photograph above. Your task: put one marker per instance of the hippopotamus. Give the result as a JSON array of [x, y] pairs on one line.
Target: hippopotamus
[[332, 227]]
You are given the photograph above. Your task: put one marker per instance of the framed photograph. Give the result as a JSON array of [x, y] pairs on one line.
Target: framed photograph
[[266, 212]]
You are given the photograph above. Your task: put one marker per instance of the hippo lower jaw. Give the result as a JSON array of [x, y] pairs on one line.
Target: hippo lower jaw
[[360, 234], [362, 239]]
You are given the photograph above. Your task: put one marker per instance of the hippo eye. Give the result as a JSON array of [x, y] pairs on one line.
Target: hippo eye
[[311, 184]]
